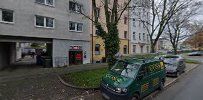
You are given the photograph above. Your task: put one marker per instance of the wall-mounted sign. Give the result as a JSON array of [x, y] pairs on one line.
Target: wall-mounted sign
[[76, 47]]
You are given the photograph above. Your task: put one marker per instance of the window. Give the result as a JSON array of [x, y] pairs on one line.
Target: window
[[79, 27], [134, 36], [46, 22], [143, 36], [6, 15], [49, 22], [97, 12], [39, 21], [143, 24], [125, 20], [40, 1], [125, 49], [97, 32], [50, 2], [134, 23], [125, 34], [74, 26], [75, 7], [139, 14], [140, 23], [134, 48], [45, 2], [97, 49], [141, 47], [139, 36]]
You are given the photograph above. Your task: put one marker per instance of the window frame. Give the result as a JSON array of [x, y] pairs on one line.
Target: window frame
[[134, 22], [45, 3], [125, 35], [1, 16], [125, 47], [134, 35], [98, 52], [76, 26], [75, 7], [140, 36], [45, 22], [125, 20], [144, 38]]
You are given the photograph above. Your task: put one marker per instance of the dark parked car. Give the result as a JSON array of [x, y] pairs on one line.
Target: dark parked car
[[197, 53], [175, 65]]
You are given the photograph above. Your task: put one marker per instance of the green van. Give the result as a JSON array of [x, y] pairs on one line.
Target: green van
[[133, 79]]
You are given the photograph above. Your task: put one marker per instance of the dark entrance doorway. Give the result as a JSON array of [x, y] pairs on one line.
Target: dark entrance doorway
[[75, 57]]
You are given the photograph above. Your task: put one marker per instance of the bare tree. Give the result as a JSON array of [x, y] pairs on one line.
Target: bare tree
[[195, 39], [108, 30], [177, 28], [161, 11]]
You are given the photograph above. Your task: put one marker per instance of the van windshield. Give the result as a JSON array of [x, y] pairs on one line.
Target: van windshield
[[125, 69]]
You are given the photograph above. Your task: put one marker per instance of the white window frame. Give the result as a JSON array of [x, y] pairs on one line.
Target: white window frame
[[35, 20], [45, 3], [76, 24], [144, 39], [134, 22], [76, 7], [134, 36], [6, 21]]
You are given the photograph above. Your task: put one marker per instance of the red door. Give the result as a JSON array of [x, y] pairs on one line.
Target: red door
[[75, 57]]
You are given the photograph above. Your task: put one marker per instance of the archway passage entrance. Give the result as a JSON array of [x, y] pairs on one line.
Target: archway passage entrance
[[76, 57]]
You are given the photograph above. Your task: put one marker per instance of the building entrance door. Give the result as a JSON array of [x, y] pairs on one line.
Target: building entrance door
[[75, 57]]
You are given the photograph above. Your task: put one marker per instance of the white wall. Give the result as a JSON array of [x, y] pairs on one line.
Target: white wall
[[61, 51]]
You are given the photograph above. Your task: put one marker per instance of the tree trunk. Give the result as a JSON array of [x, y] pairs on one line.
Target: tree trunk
[[112, 42], [153, 48], [174, 49]]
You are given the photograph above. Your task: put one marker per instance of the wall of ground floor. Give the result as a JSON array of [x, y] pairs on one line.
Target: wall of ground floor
[[62, 49], [139, 49], [98, 49]]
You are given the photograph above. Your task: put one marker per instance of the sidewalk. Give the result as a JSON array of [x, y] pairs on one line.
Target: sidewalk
[[40, 83], [22, 73], [169, 81]]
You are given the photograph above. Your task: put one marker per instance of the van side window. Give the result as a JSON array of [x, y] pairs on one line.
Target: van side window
[[143, 71]]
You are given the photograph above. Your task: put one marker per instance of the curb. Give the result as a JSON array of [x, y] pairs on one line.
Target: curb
[[72, 86], [150, 97]]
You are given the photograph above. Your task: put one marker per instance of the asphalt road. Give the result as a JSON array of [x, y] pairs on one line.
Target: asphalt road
[[188, 87]]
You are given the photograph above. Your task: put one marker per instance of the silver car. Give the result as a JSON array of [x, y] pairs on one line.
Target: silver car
[[175, 65]]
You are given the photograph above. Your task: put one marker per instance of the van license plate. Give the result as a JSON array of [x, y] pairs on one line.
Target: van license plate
[[106, 96]]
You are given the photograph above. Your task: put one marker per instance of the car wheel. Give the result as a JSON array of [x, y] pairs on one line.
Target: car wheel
[[136, 97], [161, 87]]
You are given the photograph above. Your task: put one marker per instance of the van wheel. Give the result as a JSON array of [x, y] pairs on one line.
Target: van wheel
[[161, 87], [136, 97]]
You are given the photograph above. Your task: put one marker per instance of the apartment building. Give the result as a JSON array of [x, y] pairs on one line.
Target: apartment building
[[55, 22], [139, 17], [97, 46]]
